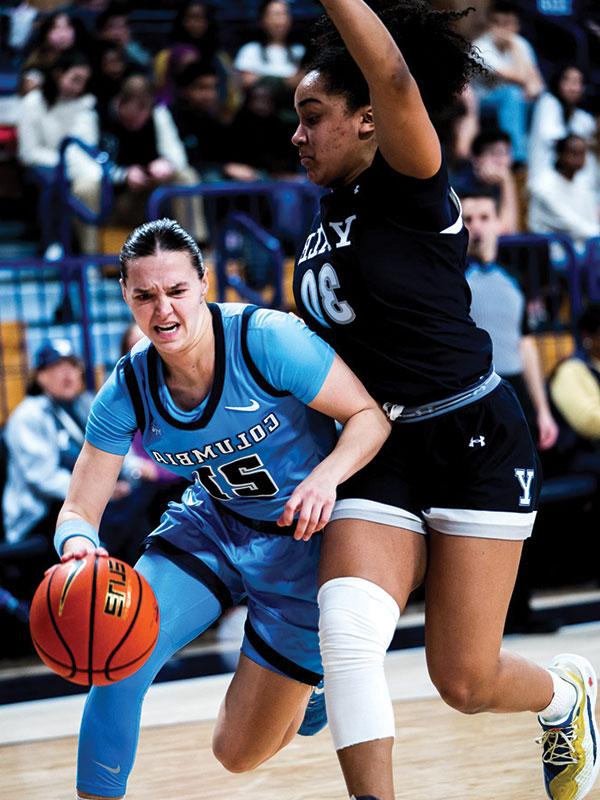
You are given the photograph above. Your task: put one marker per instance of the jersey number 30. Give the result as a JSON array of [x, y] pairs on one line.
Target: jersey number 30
[[243, 475]]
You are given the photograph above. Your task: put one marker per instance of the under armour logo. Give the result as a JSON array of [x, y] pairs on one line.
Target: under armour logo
[[477, 441], [525, 478]]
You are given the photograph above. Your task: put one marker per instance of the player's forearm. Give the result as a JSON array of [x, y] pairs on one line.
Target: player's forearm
[[369, 42], [361, 439]]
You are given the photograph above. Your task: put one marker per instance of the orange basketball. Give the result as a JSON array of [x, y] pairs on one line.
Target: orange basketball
[[94, 620]]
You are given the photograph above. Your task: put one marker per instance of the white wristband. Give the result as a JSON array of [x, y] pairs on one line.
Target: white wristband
[[74, 527]]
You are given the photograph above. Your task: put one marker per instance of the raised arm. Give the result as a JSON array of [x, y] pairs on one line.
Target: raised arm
[[365, 429], [405, 133]]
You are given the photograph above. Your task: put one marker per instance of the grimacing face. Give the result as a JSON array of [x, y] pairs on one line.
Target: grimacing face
[[165, 293], [334, 143]]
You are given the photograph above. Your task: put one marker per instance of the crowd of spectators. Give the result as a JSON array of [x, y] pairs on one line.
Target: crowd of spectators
[[225, 112], [521, 145]]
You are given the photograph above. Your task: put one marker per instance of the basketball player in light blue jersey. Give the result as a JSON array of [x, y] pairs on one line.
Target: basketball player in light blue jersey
[[241, 401]]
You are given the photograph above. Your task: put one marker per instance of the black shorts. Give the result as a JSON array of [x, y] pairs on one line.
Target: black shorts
[[471, 472]]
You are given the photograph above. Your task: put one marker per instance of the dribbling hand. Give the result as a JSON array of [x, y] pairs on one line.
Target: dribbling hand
[[77, 547]]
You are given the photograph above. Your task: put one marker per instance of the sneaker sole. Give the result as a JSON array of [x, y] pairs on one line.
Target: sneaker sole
[[583, 666]]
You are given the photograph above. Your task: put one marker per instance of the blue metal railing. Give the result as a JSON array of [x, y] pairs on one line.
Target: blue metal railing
[[71, 299], [534, 257], [270, 245], [73, 205]]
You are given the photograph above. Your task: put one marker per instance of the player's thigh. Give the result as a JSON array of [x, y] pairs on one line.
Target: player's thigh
[[468, 588], [394, 558], [258, 710], [377, 531], [482, 504]]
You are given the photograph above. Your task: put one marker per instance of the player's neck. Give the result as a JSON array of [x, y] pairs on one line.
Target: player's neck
[[189, 372]]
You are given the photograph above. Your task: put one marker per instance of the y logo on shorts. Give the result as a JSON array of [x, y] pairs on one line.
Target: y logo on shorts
[[525, 478]]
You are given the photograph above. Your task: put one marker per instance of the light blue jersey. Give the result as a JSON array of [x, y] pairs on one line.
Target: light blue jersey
[[249, 444], [253, 439]]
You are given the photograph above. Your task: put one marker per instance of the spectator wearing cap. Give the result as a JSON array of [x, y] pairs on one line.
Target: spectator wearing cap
[[44, 435]]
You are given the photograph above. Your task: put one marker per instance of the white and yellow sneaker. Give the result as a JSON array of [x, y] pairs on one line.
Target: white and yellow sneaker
[[570, 748]]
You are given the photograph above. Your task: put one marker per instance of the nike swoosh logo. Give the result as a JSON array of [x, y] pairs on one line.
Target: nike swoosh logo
[[254, 406], [114, 770]]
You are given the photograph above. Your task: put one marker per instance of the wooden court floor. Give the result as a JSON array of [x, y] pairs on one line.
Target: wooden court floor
[[440, 755]]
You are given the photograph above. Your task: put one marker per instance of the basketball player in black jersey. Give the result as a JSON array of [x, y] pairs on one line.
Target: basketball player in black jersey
[[381, 277]]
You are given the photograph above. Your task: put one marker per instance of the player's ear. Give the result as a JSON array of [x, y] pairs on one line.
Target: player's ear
[[366, 124], [123, 288]]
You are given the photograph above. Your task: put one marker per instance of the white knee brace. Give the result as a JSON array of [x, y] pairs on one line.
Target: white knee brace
[[357, 622]]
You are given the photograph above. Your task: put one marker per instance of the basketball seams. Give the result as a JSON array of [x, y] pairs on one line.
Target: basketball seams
[[90, 668], [129, 629], [101, 669], [71, 655], [63, 642]]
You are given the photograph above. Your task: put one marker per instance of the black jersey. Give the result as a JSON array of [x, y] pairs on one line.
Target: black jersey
[[389, 296]]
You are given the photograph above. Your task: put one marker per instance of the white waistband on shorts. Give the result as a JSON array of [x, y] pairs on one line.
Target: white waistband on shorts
[[398, 413]]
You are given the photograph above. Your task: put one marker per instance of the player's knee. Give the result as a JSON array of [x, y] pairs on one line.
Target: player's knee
[[233, 755], [357, 621], [467, 693]]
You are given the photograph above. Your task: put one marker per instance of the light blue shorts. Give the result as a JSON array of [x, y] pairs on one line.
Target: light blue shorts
[[276, 574]]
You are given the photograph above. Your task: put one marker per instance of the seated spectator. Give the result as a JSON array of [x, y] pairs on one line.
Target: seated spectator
[[146, 151], [60, 108], [112, 25], [561, 200], [43, 437], [575, 392], [513, 78], [490, 171], [57, 33], [260, 138], [180, 55], [273, 55], [110, 68], [207, 137], [194, 31], [556, 114]]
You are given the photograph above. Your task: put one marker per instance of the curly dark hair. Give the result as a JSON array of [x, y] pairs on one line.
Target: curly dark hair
[[439, 59]]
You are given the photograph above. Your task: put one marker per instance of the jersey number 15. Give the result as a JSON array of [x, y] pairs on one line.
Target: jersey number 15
[[243, 475]]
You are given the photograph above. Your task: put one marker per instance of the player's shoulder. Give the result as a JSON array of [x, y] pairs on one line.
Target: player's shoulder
[[259, 318]]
